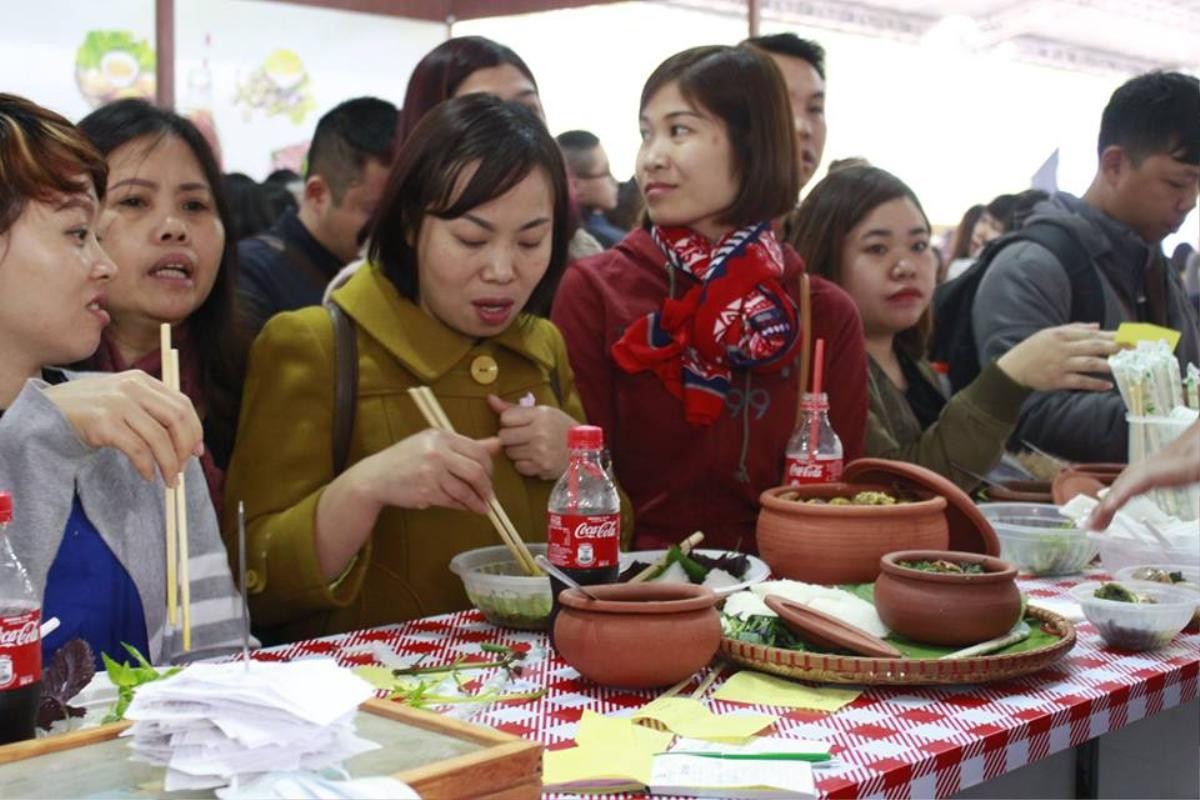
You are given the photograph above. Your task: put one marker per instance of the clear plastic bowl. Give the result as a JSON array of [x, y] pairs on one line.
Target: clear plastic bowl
[[1118, 552], [1137, 626], [497, 587], [1191, 580], [1038, 539]]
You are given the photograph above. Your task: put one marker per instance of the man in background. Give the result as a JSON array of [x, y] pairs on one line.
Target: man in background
[[289, 266], [592, 184]]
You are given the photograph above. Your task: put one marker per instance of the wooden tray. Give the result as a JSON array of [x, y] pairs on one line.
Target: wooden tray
[[826, 668], [437, 756]]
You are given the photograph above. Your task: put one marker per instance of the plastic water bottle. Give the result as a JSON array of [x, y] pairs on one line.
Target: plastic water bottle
[[583, 529], [814, 453]]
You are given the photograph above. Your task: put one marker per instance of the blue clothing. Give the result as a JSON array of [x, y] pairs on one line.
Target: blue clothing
[[92, 595], [607, 234]]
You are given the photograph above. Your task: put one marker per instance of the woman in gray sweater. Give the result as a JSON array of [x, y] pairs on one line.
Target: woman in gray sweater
[[82, 456]]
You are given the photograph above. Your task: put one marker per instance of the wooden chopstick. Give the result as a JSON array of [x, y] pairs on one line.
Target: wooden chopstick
[[185, 584], [164, 332], [685, 547], [436, 417]]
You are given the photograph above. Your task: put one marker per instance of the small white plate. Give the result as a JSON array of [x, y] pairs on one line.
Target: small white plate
[[756, 572]]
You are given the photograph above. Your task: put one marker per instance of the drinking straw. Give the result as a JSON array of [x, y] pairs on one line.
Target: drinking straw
[[169, 493], [435, 417], [818, 379]]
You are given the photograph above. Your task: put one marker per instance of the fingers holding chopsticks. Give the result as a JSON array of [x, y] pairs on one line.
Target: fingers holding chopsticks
[[153, 425], [435, 468]]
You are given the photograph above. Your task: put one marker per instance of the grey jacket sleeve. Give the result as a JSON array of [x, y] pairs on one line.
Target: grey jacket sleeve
[[1024, 291]]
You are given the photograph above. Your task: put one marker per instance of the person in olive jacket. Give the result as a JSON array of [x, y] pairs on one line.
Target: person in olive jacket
[[466, 248], [864, 229]]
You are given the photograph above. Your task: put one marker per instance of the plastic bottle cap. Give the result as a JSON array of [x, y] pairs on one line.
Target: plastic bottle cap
[[5, 507], [589, 437]]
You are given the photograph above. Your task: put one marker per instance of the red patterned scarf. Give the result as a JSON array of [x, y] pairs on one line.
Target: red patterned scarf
[[737, 316]]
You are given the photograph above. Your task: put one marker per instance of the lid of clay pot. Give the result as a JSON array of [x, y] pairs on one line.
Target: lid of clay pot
[[1106, 472], [1070, 483], [824, 630], [970, 531]]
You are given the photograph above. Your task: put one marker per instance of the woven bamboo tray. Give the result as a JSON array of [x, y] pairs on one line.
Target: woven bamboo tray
[[826, 668]]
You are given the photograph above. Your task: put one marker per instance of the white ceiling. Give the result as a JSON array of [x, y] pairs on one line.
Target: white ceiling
[[1126, 36]]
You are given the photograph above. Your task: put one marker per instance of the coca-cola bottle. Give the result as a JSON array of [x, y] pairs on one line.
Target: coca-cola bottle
[[814, 453], [583, 530], [20, 640]]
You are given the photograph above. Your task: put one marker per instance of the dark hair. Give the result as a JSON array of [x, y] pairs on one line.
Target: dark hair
[[789, 44], [283, 176], [832, 209], [250, 211], [215, 326], [42, 155], [1023, 206], [962, 234], [1155, 113], [577, 147], [438, 75], [508, 142], [346, 137], [744, 89], [629, 207]]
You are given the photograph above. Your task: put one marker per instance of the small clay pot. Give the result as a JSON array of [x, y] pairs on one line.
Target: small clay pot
[[842, 544], [1072, 482], [947, 609], [638, 635], [1021, 492]]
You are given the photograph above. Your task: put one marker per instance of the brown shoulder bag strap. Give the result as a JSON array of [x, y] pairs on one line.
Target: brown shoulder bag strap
[[806, 344], [345, 384]]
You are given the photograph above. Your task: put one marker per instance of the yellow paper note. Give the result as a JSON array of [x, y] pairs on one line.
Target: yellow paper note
[[596, 730], [1131, 333], [767, 690], [610, 749], [690, 718], [596, 767]]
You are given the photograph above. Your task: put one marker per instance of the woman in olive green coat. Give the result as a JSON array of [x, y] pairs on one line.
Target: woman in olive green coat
[[469, 240], [864, 228]]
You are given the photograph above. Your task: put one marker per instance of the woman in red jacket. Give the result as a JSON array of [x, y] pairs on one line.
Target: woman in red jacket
[[686, 338]]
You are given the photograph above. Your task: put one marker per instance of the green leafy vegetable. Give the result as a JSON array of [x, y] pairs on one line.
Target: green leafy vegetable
[[759, 629], [127, 677]]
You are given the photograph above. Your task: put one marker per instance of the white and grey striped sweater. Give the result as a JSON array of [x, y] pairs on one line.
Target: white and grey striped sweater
[[43, 461]]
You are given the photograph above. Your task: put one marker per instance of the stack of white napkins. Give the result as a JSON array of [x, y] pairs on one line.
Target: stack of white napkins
[[216, 724]]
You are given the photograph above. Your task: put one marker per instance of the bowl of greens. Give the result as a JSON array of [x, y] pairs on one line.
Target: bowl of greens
[[1038, 539], [1135, 615], [501, 590]]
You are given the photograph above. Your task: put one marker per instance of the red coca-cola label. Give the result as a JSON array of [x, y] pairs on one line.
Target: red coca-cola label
[[798, 472], [20, 650], [583, 541]]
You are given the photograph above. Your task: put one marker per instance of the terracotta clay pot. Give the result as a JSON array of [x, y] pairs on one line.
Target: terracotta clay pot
[[1021, 492], [639, 635], [842, 544], [947, 609]]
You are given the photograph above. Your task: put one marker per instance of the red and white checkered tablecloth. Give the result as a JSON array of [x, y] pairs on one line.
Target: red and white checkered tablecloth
[[890, 742]]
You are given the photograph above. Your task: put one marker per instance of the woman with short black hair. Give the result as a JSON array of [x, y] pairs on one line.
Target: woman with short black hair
[[687, 337], [463, 252]]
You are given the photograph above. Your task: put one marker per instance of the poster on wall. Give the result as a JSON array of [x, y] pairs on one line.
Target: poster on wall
[[111, 65]]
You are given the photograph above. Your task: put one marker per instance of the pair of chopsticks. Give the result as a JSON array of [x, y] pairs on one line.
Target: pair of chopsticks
[[176, 514], [431, 409], [698, 694]]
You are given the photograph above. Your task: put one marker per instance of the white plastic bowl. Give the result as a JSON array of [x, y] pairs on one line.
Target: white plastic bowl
[[1118, 552], [1191, 577], [1137, 626], [497, 587], [1038, 539]]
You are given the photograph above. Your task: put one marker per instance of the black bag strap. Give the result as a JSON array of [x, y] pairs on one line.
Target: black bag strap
[[345, 384], [1087, 292]]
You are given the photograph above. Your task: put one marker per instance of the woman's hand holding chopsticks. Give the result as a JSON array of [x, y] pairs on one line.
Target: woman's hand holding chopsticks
[[153, 425], [430, 468]]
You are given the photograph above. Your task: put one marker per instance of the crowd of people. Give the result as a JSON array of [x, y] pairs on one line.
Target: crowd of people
[[455, 243]]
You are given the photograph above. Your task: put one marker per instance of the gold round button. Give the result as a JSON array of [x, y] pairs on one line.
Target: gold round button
[[485, 370], [253, 584]]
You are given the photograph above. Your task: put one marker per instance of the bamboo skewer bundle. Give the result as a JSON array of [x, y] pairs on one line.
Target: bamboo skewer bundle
[[179, 587], [436, 417]]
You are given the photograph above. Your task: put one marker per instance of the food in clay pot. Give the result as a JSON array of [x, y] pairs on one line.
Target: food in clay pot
[[639, 635], [947, 598], [818, 533]]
